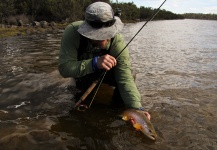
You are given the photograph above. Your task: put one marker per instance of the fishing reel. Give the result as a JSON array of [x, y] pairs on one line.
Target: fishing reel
[[82, 107]]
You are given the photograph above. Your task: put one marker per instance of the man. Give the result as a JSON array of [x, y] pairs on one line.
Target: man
[[91, 46]]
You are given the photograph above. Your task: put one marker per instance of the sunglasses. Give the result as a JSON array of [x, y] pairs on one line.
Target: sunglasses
[[99, 24]]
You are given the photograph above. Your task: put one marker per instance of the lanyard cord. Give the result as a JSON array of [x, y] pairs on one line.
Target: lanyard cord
[[103, 75]]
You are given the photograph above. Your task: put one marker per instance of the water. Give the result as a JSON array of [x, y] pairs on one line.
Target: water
[[175, 65]]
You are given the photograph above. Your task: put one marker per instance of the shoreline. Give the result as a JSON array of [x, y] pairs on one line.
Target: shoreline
[[13, 31]]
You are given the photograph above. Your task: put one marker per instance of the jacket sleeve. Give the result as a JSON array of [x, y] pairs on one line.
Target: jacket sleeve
[[123, 75], [68, 64]]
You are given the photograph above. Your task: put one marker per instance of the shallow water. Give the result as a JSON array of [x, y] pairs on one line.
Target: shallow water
[[175, 65]]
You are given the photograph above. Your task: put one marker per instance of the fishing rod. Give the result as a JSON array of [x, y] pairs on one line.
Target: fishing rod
[[103, 75], [151, 18]]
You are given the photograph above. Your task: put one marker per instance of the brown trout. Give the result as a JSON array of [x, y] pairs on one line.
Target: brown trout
[[141, 122]]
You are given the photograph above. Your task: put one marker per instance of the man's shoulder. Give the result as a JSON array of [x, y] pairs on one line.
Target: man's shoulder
[[76, 23], [72, 28], [119, 36], [118, 39]]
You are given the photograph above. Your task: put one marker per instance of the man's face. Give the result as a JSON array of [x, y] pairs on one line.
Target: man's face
[[100, 43]]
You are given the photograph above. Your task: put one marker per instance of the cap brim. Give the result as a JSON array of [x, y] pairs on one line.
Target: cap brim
[[102, 33]]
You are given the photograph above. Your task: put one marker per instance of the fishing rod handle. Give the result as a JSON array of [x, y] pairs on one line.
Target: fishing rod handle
[[87, 92]]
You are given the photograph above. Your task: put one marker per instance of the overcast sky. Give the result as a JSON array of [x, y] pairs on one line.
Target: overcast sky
[[179, 6]]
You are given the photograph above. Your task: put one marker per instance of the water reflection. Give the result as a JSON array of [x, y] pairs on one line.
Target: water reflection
[[177, 54], [175, 65], [30, 54]]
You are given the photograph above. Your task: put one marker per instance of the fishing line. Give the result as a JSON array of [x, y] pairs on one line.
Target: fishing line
[[151, 18], [103, 75]]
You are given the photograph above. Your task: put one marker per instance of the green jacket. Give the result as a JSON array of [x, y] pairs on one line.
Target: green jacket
[[70, 66]]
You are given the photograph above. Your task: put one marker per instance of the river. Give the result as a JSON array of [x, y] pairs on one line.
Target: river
[[175, 65]]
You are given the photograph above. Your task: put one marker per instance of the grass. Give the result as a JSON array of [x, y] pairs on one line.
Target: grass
[[22, 31], [8, 32], [19, 31]]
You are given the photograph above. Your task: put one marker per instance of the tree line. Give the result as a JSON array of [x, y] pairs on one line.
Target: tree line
[[200, 16], [59, 10]]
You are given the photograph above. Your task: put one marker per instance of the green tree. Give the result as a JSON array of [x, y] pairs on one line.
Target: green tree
[[60, 9], [200, 16], [6, 8], [145, 13], [36, 7], [21, 6], [129, 11]]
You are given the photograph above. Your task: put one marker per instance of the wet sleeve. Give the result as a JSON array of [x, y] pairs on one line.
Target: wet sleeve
[[123, 76], [68, 64]]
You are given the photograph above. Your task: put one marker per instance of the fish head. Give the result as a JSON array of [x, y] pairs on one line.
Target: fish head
[[148, 131]]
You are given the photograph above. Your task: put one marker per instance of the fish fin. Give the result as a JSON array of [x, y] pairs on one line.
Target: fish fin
[[125, 118], [137, 126]]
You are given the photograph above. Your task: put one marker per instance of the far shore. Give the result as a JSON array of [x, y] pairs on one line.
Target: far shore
[[13, 30]]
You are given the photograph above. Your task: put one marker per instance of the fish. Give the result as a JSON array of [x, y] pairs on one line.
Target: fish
[[140, 122]]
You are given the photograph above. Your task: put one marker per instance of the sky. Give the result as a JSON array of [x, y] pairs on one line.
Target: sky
[[179, 6]]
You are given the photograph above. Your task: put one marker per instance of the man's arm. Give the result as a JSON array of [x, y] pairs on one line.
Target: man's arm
[[123, 75], [69, 66]]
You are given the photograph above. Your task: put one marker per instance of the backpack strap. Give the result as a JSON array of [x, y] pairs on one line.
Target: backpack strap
[[112, 39], [82, 46]]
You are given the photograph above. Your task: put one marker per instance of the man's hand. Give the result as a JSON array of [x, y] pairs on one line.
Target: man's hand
[[147, 114], [106, 62]]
